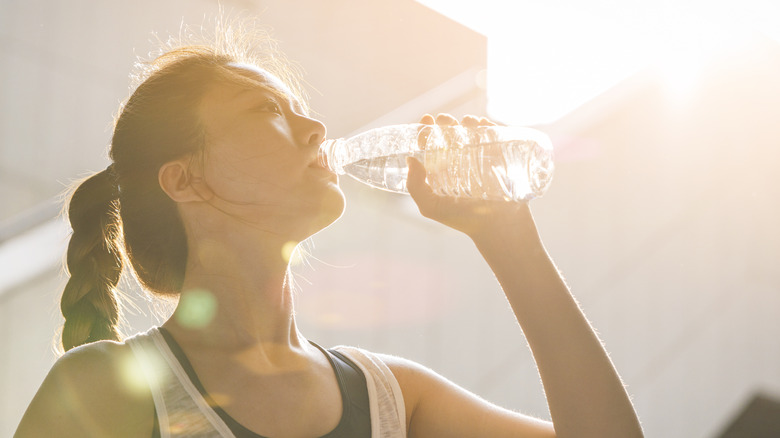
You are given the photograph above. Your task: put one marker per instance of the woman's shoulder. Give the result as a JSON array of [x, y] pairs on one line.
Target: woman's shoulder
[[95, 389], [92, 356], [402, 368], [102, 367], [435, 406]]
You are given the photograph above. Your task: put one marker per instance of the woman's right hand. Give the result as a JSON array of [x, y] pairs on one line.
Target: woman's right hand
[[474, 217]]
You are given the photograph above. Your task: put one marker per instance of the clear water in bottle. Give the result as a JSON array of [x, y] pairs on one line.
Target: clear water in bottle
[[498, 163]]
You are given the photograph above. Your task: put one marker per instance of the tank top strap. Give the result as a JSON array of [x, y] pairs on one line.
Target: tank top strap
[[181, 411], [386, 402]]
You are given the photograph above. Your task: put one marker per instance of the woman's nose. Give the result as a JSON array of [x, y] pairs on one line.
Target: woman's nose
[[311, 131]]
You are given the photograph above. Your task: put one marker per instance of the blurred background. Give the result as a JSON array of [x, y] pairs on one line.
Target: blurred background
[[663, 213]]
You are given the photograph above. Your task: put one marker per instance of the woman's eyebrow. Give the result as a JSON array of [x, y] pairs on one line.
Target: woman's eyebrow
[[253, 92], [249, 95]]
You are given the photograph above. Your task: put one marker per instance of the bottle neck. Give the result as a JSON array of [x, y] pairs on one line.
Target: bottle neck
[[330, 155]]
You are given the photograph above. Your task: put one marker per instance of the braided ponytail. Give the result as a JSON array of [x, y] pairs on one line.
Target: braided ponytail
[[89, 303]]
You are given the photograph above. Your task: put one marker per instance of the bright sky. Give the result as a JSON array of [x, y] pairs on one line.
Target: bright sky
[[546, 58]]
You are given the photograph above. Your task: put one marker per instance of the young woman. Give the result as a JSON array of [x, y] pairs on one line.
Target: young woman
[[214, 171]]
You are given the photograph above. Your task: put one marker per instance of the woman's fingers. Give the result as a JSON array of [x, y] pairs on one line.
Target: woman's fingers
[[445, 119], [484, 121], [427, 120], [470, 121], [420, 191], [449, 120]]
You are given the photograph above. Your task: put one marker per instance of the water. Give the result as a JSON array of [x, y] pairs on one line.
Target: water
[[509, 170]]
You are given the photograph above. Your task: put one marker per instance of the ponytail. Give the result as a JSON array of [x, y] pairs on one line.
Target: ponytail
[[89, 303]]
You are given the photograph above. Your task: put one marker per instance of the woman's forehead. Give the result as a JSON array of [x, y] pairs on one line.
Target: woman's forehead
[[237, 90], [262, 78]]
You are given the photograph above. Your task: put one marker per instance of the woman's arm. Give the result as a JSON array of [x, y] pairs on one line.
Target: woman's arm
[[584, 392]]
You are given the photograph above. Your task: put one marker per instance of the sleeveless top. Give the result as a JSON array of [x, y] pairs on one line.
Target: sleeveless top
[[181, 410], [354, 423]]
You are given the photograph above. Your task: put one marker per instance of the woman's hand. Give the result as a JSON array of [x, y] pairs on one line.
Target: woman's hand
[[474, 217]]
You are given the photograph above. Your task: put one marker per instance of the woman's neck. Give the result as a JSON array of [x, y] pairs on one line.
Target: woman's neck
[[236, 295]]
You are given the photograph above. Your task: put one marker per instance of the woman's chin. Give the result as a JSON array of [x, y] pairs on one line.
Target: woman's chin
[[330, 209]]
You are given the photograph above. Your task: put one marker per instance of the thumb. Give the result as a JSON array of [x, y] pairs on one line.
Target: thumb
[[415, 181]]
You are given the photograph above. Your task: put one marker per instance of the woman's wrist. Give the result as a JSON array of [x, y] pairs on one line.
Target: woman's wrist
[[510, 224]]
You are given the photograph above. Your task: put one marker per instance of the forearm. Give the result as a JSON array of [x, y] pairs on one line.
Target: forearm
[[584, 392]]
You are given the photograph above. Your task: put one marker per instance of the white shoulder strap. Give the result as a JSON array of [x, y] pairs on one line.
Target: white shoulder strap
[[388, 414], [181, 410]]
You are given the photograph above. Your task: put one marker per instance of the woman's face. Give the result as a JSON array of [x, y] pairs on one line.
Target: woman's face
[[260, 159]]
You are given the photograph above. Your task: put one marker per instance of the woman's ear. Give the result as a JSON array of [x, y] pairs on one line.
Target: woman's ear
[[180, 185]]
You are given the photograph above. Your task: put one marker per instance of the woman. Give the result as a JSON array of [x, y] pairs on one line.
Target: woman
[[214, 172]]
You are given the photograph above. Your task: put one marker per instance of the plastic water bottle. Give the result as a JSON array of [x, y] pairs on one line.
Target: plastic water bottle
[[485, 162]]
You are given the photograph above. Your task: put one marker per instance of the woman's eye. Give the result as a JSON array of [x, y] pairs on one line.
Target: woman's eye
[[270, 106]]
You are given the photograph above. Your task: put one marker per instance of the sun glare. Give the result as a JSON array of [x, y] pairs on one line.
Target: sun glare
[[545, 59]]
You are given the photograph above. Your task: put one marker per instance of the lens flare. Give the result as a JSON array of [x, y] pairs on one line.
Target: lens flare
[[197, 309], [290, 254], [136, 377]]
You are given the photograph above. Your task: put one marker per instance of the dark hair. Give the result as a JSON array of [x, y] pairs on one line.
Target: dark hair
[[122, 214]]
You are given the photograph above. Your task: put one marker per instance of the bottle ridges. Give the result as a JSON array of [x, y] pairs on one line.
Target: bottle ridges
[[515, 170]]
